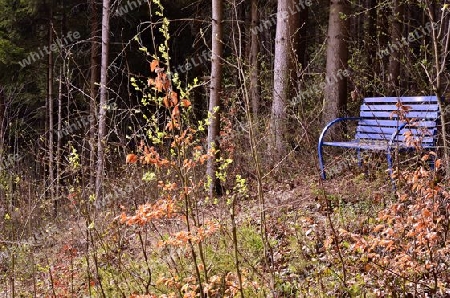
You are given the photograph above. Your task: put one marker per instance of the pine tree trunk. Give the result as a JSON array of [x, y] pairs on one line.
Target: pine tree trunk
[[58, 135], [60, 98], [2, 120], [335, 92], [255, 88], [303, 32], [396, 45], [370, 33], [51, 176], [93, 89], [282, 76], [214, 99], [103, 101]]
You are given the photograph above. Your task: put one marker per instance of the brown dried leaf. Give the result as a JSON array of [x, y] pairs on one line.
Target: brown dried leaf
[[174, 98], [154, 65]]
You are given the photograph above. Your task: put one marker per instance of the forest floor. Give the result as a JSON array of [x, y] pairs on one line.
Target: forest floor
[[297, 221]]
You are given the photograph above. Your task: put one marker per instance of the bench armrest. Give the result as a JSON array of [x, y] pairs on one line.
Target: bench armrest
[[322, 135], [337, 120]]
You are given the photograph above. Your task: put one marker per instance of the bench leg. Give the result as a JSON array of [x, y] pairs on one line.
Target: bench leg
[[323, 175], [389, 160]]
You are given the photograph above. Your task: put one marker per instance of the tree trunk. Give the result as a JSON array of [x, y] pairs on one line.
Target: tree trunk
[[335, 92], [382, 24], [255, 88], [396, 45], [103, 101], [282, 75], [93, 89], [2, 120], [440, 41], [370, 33], [58, 135], [303, 31], [51, 177], [60, 98], [214, 98]]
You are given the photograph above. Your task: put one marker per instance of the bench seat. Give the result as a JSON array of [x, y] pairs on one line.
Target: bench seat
[[388, 123], [360, 144]]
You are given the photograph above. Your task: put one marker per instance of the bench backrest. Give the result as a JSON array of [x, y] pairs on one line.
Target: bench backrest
[[380, 119]]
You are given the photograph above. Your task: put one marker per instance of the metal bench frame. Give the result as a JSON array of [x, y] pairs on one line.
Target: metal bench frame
[[381, 129]]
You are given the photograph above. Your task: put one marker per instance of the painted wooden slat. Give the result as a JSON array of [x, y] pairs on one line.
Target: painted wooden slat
[[356, 145], [390, 130], [399, 138], [413, 114], [371, 145], [430, 99], [394, 123], [424, 107]]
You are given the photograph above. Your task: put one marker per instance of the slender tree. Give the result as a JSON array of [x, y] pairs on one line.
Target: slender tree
[[94, 67], [103, 99], [335, 93], [215, 91], [255, 88], [2, 120], [50, 112], [58, 130], [370, 32], [283, 63], [303, 36], [396, 29], [439, 28], [61, 87]]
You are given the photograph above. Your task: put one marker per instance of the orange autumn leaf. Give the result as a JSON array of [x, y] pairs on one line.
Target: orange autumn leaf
[[149, 160], [174, 98], [165, 81], [159, 84], [175, 112], [154, 65], [131, 158], [166, 102], [204, 158], [170, 186], [123, 217], [151, 82], [378, 228], [437, 164], [185, 103], [162, 162], [173, 124], [426, 213], [148, 212]]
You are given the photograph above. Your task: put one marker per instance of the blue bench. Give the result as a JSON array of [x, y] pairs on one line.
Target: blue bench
[[388, 123]]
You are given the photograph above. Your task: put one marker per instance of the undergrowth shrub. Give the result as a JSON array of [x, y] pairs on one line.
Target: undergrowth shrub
[[189, 257], [404, 250]]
